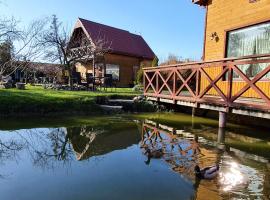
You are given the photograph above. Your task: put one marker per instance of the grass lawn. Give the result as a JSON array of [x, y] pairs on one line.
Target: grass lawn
[[36, 100]]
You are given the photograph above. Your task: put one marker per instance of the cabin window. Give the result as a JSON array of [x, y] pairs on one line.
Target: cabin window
[[252, 40], [114, 71]]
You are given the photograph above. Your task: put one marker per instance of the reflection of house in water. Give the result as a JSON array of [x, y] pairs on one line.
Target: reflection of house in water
[[88, 142]]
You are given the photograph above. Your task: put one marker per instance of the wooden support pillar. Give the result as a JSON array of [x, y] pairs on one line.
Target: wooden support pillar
[[94, 67], [192, 119], [222, 119], [221, 135], [221, 139], [193, 111], [192, 123]]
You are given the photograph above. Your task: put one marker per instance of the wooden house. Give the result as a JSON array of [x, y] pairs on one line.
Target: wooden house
[[237, 28], [234, 74], [127, 52]]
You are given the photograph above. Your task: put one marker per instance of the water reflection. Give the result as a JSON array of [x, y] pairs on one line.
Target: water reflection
[[172, 154], [232, 177], [9, 150], [183, 150], [46, 146], [88, 141]]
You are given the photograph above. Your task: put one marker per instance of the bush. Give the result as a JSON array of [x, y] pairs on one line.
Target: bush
[[147, 106], [139, 76], [155, 62], [138, 88]]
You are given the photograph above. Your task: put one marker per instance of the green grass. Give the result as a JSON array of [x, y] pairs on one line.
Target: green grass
[[36, 100]]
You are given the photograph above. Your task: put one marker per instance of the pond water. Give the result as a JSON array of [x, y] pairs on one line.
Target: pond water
[[104, 158]]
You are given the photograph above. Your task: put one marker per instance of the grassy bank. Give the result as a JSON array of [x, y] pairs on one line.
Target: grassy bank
[[36, 100]]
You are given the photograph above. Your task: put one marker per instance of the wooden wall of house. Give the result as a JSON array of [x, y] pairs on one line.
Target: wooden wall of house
[[224, 15], [126, 64]]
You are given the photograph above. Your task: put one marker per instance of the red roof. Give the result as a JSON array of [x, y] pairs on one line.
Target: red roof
[[120, 41]]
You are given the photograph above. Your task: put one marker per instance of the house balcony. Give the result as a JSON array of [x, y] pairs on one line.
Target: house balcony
[[218, 85]]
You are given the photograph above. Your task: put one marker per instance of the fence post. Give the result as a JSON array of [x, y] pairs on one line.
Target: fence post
[[144, 86]]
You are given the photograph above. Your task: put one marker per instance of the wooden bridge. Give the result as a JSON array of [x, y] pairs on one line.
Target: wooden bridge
[[220, 85]]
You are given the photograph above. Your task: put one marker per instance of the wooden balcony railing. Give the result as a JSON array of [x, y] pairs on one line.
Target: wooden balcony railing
[[218, 82]]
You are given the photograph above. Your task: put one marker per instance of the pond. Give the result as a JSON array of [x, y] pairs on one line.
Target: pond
[[105, 158]]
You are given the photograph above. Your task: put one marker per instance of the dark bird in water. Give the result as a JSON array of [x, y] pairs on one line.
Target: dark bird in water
[[206, 173], [153, 154]]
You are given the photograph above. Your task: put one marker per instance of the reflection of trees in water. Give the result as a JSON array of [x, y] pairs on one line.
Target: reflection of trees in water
[[51, 147], [9, 150], [45, 146], [56, 147]]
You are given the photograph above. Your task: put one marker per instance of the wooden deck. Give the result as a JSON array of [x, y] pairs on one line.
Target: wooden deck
[[184, 84]]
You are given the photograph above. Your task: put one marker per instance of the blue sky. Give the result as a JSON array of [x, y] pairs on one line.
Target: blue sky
[[168, 26]]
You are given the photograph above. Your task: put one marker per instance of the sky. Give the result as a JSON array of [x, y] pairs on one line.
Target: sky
[[168, 26]]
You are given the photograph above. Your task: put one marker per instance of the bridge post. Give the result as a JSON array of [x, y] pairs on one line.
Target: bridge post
[[222, 119], [193, 111], [221, 135], [221, 139]]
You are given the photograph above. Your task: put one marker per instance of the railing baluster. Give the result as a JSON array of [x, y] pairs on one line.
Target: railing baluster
[[144, 85], [174, 84], [157, 82], [230, 84], [198, 83]]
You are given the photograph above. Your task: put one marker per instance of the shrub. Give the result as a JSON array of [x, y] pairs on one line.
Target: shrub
[[139, 77]]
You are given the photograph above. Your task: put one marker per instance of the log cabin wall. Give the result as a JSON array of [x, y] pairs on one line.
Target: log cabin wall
[[225, 15], [126, 64], [126, 67]]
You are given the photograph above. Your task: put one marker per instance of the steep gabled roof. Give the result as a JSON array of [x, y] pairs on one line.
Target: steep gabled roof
[[120, 41]]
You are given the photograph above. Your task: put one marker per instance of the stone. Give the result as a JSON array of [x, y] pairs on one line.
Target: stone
[[20, 86]]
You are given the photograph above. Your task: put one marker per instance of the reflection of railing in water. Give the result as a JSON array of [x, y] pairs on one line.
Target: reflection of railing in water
[[232, 173], [218, 137], [181, 149], [161, 136]]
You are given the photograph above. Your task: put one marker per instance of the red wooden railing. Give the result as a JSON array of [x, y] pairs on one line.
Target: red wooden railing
[[211, 82]]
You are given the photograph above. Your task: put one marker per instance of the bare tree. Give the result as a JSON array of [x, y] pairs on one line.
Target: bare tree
[[62, 47], [21, 47], [8, 29], [48, 70]]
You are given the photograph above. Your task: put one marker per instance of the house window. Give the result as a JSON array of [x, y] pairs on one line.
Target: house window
[[253, 40], [114, 71]]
